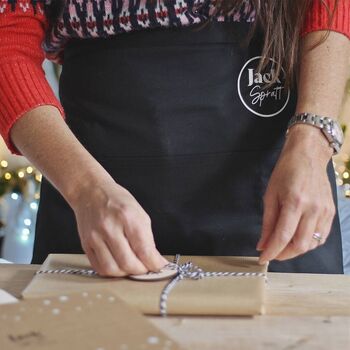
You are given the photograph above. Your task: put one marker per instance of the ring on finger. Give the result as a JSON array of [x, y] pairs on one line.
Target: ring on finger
[[317, 236]]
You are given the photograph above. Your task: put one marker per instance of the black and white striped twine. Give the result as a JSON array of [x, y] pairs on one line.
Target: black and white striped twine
[[82, 272], [186, 270]]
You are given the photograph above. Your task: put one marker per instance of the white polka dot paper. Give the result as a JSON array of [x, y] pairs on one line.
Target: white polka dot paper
[[93, 320]]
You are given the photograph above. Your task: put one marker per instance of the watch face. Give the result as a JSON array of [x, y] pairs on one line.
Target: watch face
[[337, 133]]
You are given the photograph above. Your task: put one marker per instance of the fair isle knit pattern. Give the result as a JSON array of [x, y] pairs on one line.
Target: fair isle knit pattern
[[104, 18], [92, 19]]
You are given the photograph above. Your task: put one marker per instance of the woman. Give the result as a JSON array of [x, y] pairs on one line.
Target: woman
[[174, 140]]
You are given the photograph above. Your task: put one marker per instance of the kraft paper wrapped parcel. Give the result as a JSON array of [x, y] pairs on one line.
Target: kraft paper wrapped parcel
[[224, 295]]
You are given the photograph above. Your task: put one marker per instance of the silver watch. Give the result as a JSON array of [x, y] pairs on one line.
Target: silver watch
[[329, 127]]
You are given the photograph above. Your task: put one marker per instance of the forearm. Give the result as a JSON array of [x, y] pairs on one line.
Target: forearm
[[45, 139], [323, 72]]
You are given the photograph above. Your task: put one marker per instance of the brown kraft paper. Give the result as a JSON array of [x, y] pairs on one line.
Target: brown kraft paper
[[231, 295]]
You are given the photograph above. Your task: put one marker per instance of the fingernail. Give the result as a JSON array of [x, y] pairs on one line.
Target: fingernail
[[262, 261], [164, 262], [262, 258]]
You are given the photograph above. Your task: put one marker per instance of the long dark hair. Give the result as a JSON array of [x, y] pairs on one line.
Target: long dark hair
[[281, 20]]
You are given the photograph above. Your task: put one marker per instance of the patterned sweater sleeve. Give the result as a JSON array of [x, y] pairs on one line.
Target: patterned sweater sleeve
[[23, 85], [317, 17]]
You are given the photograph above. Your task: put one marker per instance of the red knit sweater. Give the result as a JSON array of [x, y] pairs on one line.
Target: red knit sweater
[[23, 85]]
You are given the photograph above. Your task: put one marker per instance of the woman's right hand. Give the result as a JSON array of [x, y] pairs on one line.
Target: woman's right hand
[[115, 231]]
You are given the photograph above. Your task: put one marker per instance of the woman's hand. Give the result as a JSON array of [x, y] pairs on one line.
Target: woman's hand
[[298, 200], [115, 231]]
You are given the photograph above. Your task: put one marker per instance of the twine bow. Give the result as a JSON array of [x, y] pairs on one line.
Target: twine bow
[[190, 271]]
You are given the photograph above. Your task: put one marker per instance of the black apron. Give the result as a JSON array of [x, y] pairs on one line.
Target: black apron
[[178, 117]]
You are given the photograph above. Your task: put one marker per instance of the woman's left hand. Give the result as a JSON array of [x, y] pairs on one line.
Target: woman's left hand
[[298, 200]]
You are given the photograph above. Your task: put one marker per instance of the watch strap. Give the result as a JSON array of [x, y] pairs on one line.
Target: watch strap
[[321, 122], [311, 119]]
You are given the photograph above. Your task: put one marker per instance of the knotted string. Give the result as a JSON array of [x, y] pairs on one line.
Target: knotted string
[[190, 271]]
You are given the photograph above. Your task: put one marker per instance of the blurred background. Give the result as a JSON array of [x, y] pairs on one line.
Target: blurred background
[[20, 191]]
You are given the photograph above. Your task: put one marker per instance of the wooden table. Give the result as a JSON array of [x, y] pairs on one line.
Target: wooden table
[[304, 311]]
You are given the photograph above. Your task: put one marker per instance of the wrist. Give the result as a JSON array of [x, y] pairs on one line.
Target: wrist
[[309, 140], [85, 183]]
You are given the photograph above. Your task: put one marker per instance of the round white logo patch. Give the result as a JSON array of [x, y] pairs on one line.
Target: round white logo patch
[[262, 102]]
